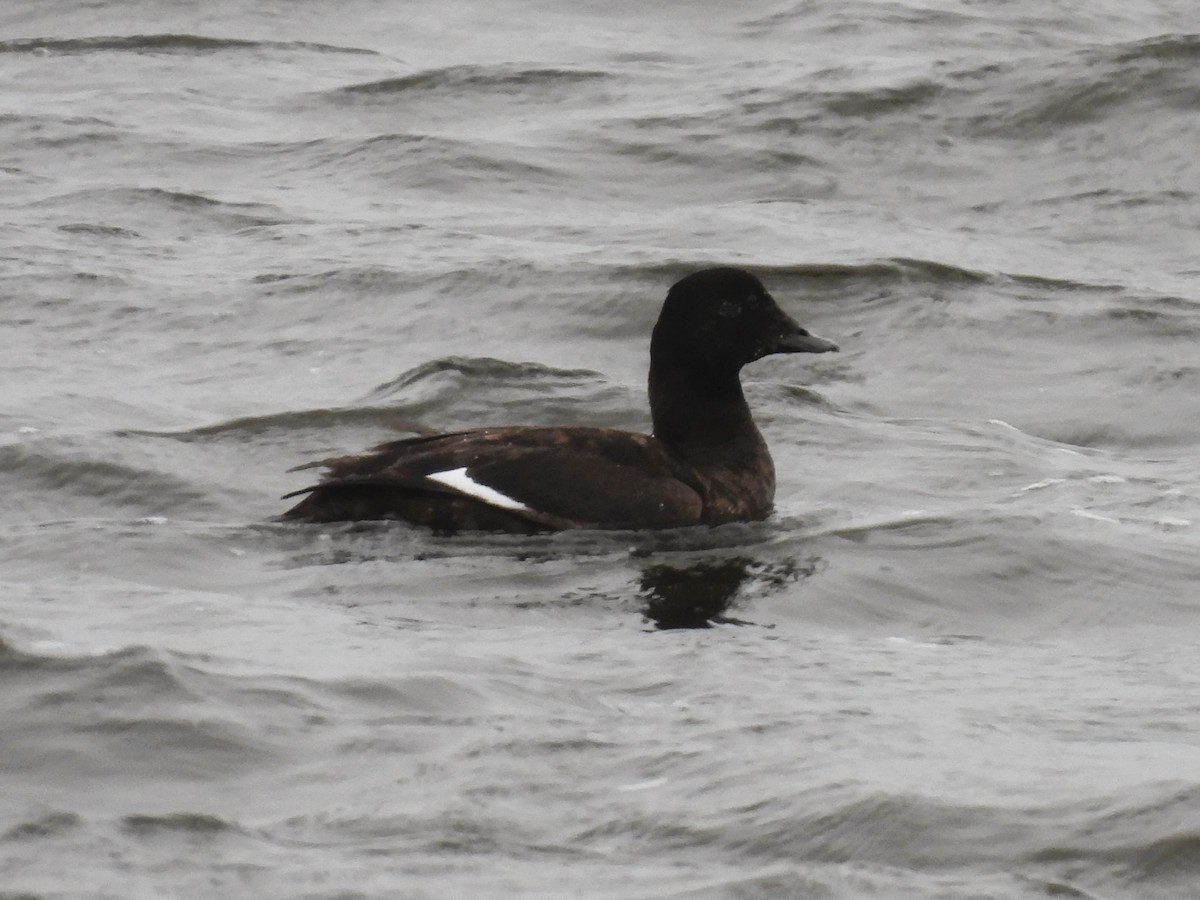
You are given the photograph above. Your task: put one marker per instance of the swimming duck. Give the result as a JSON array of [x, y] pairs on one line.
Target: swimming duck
[[705, 464]]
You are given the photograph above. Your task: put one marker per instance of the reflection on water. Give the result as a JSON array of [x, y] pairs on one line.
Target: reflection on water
[[700, 594], [693, 597]]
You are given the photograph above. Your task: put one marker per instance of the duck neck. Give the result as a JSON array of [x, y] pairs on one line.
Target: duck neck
[[703, 412]]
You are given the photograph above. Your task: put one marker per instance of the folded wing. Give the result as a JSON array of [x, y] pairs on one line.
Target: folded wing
[[544, 477]]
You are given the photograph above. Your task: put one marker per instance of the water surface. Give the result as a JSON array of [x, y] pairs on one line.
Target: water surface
[[959, 661]]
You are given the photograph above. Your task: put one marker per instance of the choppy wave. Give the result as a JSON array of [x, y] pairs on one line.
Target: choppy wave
[[129, 711], [189, 44], [199, 724], [526, 84], [59, 480], [198, 210], [1044, 93]]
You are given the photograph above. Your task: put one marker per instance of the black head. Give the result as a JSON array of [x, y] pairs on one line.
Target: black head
[[723, 318]]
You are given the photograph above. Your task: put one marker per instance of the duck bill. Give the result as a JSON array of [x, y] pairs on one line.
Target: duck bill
[[800, 341], [790, 337]]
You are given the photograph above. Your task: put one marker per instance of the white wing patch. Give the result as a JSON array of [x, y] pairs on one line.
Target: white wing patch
[[461, 482]]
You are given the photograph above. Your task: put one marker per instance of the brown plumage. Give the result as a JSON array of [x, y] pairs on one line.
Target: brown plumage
[[706, 462]]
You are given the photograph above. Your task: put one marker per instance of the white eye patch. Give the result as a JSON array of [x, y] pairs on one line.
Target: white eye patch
[[461, 482]]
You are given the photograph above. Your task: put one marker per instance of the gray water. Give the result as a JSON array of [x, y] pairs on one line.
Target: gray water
[[958, 662]]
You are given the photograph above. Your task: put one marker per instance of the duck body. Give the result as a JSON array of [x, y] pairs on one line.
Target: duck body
[[706, 462]]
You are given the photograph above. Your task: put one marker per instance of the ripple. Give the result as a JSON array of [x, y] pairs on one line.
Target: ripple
[[188, 44]]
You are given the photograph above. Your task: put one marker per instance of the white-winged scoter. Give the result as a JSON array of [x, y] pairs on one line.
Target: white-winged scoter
[[706, 462]]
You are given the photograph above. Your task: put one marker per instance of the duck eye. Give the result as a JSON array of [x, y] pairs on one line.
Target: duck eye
[[751, 301], [729, 309]]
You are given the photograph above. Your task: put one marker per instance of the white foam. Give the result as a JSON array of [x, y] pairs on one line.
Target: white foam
[[461, 482], [1038, 485]]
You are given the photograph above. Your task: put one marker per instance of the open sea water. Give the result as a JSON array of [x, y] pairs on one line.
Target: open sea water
[[960, 661]]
